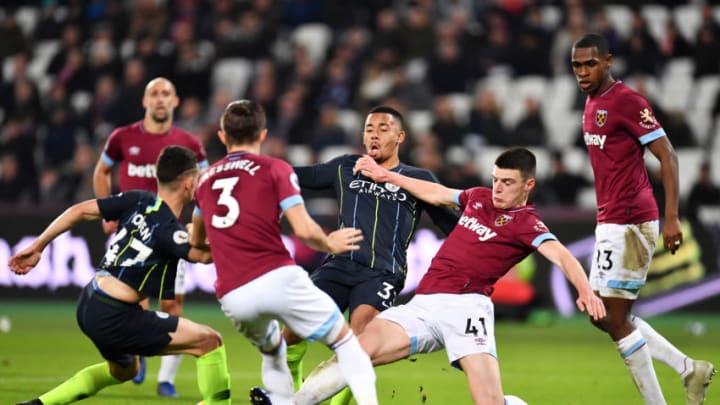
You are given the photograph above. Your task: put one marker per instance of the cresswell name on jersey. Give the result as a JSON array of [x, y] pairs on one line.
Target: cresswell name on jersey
[[388, 191], [243, 164]]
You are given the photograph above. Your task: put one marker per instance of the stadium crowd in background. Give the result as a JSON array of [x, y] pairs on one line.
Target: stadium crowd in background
[[73, 70]]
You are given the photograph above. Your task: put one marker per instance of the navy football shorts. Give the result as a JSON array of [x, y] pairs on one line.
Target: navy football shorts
[[350, 284], [120, 330]]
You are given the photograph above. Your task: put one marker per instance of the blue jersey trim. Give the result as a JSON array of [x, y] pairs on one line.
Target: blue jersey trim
[[625, 284], [542, 238], [291, 201], [197, 211], [106, 159], [456, 198], [647, 138], [413, 345], [203, 164], [325, 328]]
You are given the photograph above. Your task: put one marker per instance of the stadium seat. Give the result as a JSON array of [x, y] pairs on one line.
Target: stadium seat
[[676, 85], [27, 18], [543, 157], [552, 16], [656, 17], [586, 198], [232, 74], [522, 88], [351, 122], [561, 93], [705, 90], [458, 155], [461, 104], [485, 159], [80, 101], [688, 19], [330, 152], [416, 69], [563, 127], [620, 17], [700, 121], [419, 122], [299, 155], [576, 161], [43, 53], [315, 38], [689, 160]]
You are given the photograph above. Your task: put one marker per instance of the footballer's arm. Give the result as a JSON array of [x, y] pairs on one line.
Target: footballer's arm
[[307, 230]]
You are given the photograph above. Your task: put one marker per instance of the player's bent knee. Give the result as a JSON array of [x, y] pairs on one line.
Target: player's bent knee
[[124, 373], [337, 332]]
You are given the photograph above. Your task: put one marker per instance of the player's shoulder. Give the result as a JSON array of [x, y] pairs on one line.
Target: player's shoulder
[[415, 172], [130, 129], [628, 95], [141, 196]]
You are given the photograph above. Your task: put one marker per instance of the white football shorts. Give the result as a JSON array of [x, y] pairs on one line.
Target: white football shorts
[[622, 258], [286, 294], [463, 324]]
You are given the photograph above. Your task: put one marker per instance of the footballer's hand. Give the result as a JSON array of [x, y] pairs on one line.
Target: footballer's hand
[[23, 261], [672, 234], [592, 304], [344, 240], [368, 167], [110, 227]]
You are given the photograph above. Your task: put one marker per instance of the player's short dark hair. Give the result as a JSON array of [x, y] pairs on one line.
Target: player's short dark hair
[[592, 41], [518, 159], [174, 161], [383, 109], [242, 121]]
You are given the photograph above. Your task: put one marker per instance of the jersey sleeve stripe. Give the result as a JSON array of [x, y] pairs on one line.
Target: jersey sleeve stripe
[[456, 198], [291, 201], [542, 238], [106, 159], [197, 211], [647, 138], [204, 164]]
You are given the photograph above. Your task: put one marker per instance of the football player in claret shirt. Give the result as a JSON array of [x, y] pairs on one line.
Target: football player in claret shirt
[[451, 308], [140, 262], [240, 200], [618, 125], [133, 149]]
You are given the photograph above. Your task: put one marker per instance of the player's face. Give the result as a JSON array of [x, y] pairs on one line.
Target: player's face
[[382, 136], [160, 100], [510, 190], [592, 71]]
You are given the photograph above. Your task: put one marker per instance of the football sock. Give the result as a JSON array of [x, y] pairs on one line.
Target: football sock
[[638, 360], [295, 354], [168, 368], [662, 350], [276, 375], [324, 381], [213, 378], [342, 398], [357, 369], [83, 384]]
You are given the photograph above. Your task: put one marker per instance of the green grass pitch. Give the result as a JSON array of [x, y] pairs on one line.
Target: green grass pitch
[[564, 362]]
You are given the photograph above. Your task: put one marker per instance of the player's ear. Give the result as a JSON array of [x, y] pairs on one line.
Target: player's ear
[[175, 102], [262, 135], [221, 136], [401, 137]]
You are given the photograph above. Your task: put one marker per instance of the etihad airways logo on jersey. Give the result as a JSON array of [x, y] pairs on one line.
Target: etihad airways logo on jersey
[[389, 192], [146, 170], [595, 140], [483, 232]]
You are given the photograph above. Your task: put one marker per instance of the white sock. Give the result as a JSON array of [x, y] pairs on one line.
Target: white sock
[[323, 382], [357, 369], [513, 400], [662, 350], [276, 376], [169, 366], [638, 360]]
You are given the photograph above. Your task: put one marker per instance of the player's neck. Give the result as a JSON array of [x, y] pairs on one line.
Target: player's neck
[[390, 163], [156, 128], [173, 199], [251, 148], [606, 85]]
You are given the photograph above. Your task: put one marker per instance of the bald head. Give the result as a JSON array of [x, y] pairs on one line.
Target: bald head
[[160, 100]]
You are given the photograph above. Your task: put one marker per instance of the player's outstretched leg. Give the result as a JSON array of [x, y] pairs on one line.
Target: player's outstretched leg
[[295, 354], [169, 365], [696, 374], [696, 383], [213, 378]]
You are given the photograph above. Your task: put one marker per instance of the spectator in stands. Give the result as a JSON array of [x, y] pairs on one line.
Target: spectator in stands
[[19, 139], [616, 43], [530, 130], [413, 94], [707, 48], [148, 18], [12, 189], [485, 120], [12, 40], [673, 44], [418, 32], [678, 129], [328, 131], [703, 192], [562, 187], [72, 38], [126, 107], [60, 139], [448, 70], [533, 55], [446, 127]]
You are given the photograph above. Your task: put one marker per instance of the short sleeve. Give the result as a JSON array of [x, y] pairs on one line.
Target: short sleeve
[[113, 148], [639, 120], [113, 206], [287, 187]]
